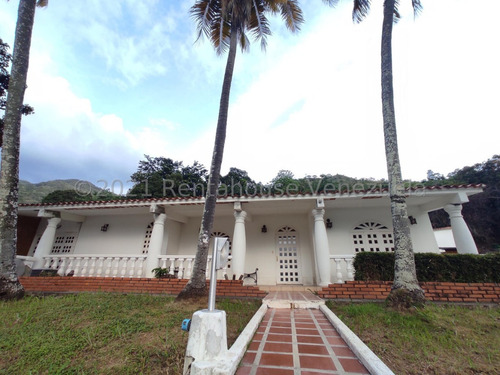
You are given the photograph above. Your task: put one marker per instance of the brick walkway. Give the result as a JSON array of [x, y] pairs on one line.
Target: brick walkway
[[298, 342]]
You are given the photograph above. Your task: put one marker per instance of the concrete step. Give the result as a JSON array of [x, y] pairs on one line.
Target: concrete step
[[290, 288]]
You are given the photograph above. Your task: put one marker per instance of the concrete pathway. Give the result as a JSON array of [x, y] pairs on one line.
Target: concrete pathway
[[295, 337]]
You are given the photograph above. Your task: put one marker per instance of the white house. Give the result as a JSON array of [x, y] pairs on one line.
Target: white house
[[291, 238]]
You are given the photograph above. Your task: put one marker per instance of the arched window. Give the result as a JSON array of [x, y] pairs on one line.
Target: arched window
[[372, 236]]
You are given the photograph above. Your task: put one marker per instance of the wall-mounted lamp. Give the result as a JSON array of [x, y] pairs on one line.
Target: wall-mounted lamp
[[263, 229], [413, 221], [329, 224], [104, 228]]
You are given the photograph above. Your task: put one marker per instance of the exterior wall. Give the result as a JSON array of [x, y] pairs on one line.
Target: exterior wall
[[261, 247], [171, 237], [65, 228], [125, 235], [422, 233], [344, 221]]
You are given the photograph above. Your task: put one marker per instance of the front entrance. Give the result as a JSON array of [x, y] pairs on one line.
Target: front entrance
[[287, 256]]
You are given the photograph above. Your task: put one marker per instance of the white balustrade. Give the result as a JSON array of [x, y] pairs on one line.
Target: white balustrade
[[178, 266], [181, 266], [343, 268], [96, 266]]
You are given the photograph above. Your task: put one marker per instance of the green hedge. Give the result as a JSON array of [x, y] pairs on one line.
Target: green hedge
[[459, 268]]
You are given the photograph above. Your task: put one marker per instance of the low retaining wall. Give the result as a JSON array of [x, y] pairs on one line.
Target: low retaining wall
[[58, 284], [434, 291]]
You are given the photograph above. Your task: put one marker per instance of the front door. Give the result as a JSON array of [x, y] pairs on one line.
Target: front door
[[287, 256]]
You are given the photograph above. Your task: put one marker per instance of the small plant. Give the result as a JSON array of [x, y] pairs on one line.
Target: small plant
[[161, 273], [48, 273]]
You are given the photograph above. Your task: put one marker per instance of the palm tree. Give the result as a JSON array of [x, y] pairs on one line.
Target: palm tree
[[225, 23], [9, 175], [405, 291]]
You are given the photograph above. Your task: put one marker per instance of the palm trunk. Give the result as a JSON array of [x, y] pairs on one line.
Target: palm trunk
[[405, 290], [9, 177], [197, 284]]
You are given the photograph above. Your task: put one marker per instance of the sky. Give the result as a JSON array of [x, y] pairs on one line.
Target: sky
[[112, 81]]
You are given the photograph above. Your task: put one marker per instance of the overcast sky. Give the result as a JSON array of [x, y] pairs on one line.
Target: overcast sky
[[114, 80]]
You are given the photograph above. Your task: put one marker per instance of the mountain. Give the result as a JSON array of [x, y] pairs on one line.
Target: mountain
[[34, 193]]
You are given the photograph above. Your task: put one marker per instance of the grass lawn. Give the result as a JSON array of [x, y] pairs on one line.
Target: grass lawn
[[437, 339], [103, 333]]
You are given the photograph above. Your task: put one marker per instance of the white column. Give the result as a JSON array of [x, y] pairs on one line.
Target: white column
[[155, 244], [239, 246], [46, 242], [321, 249], [461, 233]]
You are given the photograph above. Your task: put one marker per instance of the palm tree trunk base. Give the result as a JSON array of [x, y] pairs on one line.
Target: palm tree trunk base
[[190, 292], [403, 299], [10, 289]]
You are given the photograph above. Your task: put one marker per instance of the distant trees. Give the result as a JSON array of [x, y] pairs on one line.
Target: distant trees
[[59, 196], [159, 177], [482, 213]]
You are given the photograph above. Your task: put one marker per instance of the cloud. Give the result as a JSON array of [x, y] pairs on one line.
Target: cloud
[[65, 137]]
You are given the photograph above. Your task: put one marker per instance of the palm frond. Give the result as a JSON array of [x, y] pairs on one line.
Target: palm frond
[[42, 3], [203, 13], [331, 3], [258, 24], [396, 14], [244, 42], [291, 14], [417, 7], [360, 10]]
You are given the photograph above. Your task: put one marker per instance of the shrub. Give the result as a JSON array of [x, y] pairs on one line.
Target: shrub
[[460, 268]]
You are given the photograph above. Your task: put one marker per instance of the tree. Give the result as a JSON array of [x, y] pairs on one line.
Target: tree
[[10, 287], [405, 291], [225, 23], [482, 213], [163, 177], [5, 59], [237, 182]]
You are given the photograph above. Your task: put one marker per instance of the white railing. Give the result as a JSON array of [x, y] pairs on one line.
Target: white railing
[[28, 261], [343, 269], [96, 265], [181, 266]]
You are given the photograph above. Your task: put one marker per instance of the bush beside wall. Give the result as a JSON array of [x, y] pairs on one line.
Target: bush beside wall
[[458, 268]]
